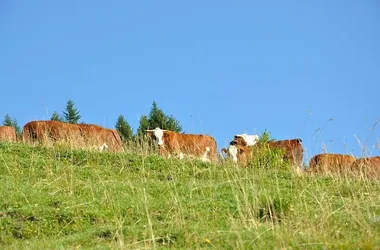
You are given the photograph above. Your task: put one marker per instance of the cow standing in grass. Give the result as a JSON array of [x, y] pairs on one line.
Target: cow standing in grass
[[8, 133], [50, 132], [331, 163], [180, 145], [367, 167], [241, 153], [79, 136], [101, 138]]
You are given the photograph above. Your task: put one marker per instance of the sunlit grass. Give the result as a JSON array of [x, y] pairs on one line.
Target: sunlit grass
[[59, 198]]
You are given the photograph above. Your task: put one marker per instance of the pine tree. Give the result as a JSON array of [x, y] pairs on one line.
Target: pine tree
[[156, 117], [7, 121], [16, 126], [124, 129], [72, 114], [143, 125], [56, 117], [13, 123], [173, 124]]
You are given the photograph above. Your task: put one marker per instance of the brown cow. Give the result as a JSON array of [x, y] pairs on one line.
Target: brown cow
[[77, 135], [8, 133], [239, 153], [367, 166], [330, 163], [202, 146], [293, 151], [246, 140], [100, 137], [47, 132]]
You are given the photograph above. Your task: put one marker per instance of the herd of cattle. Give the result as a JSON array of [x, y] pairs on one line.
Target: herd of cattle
[[179, 145]]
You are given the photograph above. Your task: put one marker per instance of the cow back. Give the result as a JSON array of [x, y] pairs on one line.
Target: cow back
[[8, 133], [330, 163], [189, 144], [367, 166], [293, 150], [52, 131], [95, 135]]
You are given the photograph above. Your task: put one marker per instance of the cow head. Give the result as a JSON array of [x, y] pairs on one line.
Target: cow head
[[237, 152], [156, 134], [232, 151], [246, 140]]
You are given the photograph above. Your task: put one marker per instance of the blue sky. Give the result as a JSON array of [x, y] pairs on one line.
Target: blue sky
[[308, 70]]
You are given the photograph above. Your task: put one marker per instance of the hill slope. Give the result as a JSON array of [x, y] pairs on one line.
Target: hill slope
[[58, 198]]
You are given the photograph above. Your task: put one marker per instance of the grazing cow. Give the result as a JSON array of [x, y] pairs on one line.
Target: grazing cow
[[239, 153], [169, 142], [78, 135], [293, 151], [100, 137], [330, 163], [8, 133], [367, 166], [246, 140], [47, 132]]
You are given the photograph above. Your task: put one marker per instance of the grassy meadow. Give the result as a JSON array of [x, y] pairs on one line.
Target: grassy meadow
[[57, 198]]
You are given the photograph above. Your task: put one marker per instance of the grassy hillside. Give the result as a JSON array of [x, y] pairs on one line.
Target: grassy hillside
[[62, 199]]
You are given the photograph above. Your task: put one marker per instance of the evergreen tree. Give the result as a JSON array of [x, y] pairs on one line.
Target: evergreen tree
[[143, 125], [13, 123], [71, 114], [124, 129], [173, 124], [7, 121], [56, 117], [157, 118], [16, 126], [265, 137]]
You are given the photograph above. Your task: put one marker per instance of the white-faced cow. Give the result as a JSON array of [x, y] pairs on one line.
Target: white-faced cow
[[293, 151], [246, 140], [181, 145]]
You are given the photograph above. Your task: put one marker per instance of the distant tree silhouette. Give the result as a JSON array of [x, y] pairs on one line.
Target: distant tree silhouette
[[57, 117], [13, 123], [124, 129], [157, 118], [143, 125], [71, 114]]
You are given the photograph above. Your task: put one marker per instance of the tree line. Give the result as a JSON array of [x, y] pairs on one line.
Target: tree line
[[155, 118]]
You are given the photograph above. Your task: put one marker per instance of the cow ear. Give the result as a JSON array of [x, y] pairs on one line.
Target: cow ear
[[165, 135], [224, 150]]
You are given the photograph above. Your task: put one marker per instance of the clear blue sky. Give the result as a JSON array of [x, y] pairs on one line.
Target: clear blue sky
[[220, 67]]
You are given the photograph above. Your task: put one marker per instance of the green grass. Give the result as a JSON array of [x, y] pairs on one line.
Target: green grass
[[61, 199]]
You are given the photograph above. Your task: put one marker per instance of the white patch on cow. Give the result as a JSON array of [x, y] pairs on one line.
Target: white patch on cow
[[205, 155], [103, 147], [158, 134], [232, 151], [249, 139], [181, 155]]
